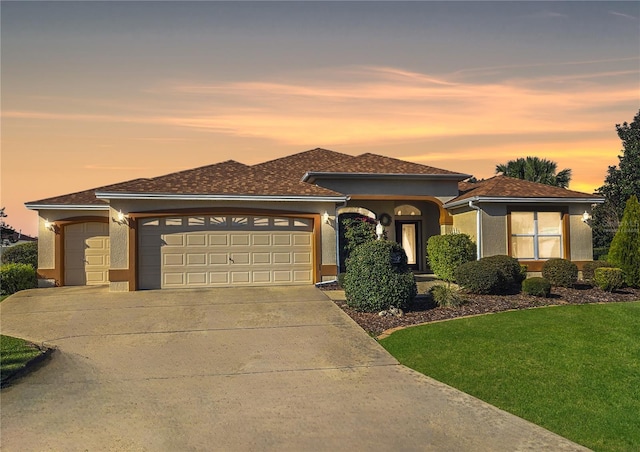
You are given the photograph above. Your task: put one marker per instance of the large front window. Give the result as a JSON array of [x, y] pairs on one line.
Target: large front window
[[536, 235]]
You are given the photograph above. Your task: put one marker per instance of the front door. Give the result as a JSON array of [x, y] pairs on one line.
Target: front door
[[408, 235]]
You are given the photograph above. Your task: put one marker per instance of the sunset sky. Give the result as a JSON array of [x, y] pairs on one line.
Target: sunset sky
[[100, 92]]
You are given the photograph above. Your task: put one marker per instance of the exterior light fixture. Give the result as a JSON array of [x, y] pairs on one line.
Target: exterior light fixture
[[586, 216], [325, 217], [121, 218], [379, 230], [49, 226]]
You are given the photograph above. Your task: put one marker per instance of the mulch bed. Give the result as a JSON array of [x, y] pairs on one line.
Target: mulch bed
[[423, 310]]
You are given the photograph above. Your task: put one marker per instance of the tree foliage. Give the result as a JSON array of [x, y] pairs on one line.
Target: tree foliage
[[625, 247], [535, 169], [354, 230], [621, 183]]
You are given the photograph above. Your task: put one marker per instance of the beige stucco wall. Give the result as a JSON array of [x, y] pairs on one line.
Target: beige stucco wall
[[46, 238], [118, 242], [464, 222], [447, 189], [581, 244]]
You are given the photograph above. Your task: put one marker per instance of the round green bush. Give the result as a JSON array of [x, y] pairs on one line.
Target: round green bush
[[22, 253], [560, 272], [589, 268], [608, 278], [510, 270], [478, 277], [16, 277], [536, 286], [448, 252], [378, 277]]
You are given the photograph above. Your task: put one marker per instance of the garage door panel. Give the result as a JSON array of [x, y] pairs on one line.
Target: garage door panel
[[193, 254], [218, 258], [219, 240], [197, 259], [196, 240], [240, 239]]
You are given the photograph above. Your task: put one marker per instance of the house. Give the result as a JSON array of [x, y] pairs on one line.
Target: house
[[277, 222]]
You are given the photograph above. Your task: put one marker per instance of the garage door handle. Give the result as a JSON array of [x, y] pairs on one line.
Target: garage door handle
[[231, 260]]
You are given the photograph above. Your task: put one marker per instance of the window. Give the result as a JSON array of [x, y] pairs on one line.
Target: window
[[536, 235], [406, 209]]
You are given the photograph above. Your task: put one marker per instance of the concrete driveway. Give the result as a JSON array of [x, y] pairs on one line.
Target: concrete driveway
[[229, 369]]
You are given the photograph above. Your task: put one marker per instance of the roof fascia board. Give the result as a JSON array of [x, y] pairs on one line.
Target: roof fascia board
[[66, 206], [512, 200], [182, 197], [311, 176]]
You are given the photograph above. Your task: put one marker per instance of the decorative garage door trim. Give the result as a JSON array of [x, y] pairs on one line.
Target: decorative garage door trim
[[220, 250]]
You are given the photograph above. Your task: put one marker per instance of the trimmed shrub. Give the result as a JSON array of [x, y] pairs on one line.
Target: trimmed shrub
[[509, 269], [560, 272], [448, 252], [589, 268], [354, 230], [16, 277], [600, 253], [609, 278], [625, 247], [23, 253], [536, 286], [341, 279], [378, 277], [478, 277], [446, 296]]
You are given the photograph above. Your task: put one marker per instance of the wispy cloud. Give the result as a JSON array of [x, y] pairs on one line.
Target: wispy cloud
[[378, 104], [626, 16]]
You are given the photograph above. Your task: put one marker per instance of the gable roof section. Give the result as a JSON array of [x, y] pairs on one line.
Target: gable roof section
[[509, 189], [224, 180], [297, 165], [380, 164], [85, 199]]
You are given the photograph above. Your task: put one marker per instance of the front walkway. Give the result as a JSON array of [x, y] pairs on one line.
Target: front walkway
[[230, 369]]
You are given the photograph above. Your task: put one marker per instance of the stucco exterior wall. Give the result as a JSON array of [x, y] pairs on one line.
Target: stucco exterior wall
[[119, 242], [581, 243], [445, 189], [464, 222]]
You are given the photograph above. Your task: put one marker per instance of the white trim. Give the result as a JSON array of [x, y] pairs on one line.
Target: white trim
[[195, 197], [66, 207], [517, 200]]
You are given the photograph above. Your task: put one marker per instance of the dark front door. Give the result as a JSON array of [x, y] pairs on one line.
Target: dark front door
[[408, 235]]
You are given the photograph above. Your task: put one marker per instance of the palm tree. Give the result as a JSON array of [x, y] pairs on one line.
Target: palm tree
[[536, 169]]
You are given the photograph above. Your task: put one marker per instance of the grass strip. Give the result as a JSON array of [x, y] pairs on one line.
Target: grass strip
[[574, 370], [15, 354]]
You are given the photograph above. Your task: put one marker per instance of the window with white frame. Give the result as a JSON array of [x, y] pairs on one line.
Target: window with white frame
[[536, 235]]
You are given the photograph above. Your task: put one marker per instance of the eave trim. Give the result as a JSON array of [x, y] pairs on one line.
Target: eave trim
[[518, 200], [195, 197], [66, 206], [311, 176]]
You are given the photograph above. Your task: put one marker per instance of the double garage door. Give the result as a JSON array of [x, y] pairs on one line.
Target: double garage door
[[224, 250]]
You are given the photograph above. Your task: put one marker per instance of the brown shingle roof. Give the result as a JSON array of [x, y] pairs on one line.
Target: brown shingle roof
[[379, 164], [226, 178], [509, 187], [297, 165], [81, 198]]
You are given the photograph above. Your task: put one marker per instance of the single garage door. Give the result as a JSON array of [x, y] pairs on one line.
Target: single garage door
[[86, 254], [225, 250]]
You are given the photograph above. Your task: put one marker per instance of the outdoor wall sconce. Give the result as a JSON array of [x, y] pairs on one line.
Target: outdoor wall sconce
[[325, 217], [379, 230], [121, 218], [586, 217], [49, 226]]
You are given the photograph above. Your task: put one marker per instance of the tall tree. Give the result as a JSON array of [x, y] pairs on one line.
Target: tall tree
[[621, 183], [625, 247], [536, 169]]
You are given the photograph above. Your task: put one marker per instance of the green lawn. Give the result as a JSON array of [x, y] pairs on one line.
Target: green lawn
[[14, 355], [574, 370]]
